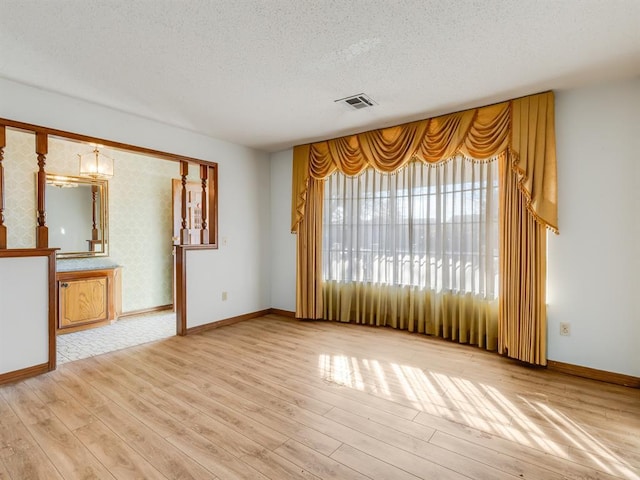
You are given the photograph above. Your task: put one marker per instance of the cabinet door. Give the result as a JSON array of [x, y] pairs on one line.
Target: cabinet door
[[83, 301]]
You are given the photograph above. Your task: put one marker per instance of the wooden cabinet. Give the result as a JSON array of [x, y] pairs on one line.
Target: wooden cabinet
[[88, 298]]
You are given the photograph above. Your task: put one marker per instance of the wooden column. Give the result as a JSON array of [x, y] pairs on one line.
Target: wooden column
[[184, 231], [213, 204], [3, 227], [42, 231], [204, 231]]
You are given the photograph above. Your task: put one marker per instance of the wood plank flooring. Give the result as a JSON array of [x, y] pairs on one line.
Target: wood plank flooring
[[277, 399]]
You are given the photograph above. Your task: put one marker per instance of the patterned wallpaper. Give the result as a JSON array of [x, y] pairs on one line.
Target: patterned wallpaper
[[20, 196], [140, 223]]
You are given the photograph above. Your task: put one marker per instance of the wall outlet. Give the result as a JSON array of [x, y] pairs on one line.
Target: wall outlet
[[565, 329], [225, 295]]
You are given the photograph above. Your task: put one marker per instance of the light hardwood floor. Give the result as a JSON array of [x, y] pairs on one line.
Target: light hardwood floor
[[273, 398]]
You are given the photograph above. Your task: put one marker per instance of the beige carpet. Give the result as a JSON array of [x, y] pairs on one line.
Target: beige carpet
[[121, 334]]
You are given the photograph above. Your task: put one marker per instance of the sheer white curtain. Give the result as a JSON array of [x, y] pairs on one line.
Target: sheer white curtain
[[416, 249]]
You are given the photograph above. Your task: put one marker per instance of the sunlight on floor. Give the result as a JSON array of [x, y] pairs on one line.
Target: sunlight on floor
[[523, 417]]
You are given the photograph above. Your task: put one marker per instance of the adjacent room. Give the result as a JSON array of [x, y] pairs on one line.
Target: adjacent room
[[320, 240]]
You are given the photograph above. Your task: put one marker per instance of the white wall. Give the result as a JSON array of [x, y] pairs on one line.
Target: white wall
[[283, 242], [244, 181], [203, 291], [594, 264], [24, 319]]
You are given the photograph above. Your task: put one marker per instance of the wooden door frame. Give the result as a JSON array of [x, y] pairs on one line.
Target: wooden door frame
[[43, 134]]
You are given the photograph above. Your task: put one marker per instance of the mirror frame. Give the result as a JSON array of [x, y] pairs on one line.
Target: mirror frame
[[103, 212]]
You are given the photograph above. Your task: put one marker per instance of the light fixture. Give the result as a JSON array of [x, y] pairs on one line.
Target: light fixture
[[60, 182], [96, 164]]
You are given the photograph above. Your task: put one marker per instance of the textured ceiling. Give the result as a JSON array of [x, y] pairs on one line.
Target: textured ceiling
[[265, 73]]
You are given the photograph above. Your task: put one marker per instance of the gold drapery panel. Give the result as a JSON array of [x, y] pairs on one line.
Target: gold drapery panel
[[524, 127], [522, 331], [309, 256], [521, 132], [464, 318]]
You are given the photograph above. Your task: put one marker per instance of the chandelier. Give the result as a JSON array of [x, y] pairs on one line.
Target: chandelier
[[96, 164]]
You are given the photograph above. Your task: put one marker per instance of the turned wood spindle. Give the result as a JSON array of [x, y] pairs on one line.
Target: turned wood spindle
[[94, 212], [42, 231], [184, 231]]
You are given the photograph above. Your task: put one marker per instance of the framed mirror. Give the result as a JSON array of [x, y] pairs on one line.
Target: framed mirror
[[77, 215]]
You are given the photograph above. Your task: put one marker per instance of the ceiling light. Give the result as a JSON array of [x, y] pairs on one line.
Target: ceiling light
[[96, 164]]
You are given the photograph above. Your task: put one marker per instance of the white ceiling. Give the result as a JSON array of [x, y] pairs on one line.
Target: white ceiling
[[265, 73]]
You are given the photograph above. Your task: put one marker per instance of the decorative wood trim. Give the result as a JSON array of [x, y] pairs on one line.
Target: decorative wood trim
[[204, 178], [213, 167], [184, 231], [594, 374], [213, 205], [3, 227], [181, 289], [102, 141], [42, 231], [27, 252], [53, 309], [282, 313], [143, 311], [28, 372], [227, 321]]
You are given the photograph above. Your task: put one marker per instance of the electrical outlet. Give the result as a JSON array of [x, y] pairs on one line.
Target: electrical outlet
[[225, 295], [565, 329]]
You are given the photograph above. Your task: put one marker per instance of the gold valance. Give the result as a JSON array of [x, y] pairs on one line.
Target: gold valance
[[523, 127]]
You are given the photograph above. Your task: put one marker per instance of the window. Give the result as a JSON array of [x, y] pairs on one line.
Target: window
[[429, 226]]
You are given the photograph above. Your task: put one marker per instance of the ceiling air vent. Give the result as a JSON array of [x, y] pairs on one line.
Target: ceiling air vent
[[357, 102]]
